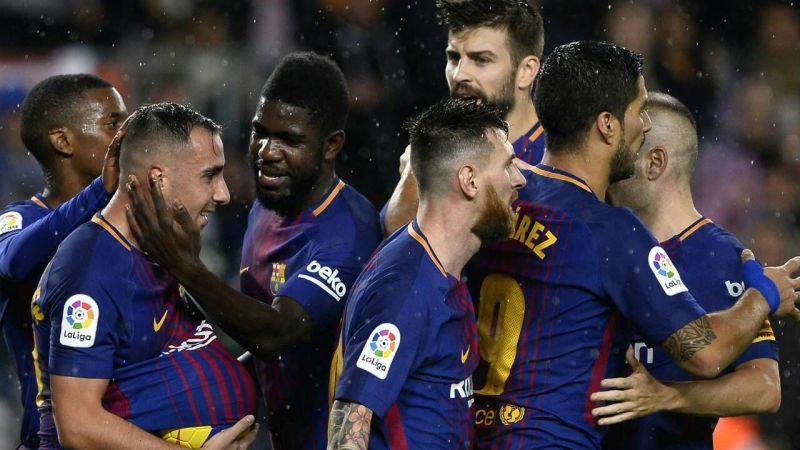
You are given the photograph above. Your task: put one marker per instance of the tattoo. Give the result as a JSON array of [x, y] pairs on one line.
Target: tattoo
[[349, 426], [690, 339]]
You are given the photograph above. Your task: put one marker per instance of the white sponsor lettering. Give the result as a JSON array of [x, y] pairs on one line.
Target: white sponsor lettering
[[203, 336], [734, 289], [79, 322], [637, 349], [665, 272], [10, 221], [329, 282], [379, 350], [463, 389]]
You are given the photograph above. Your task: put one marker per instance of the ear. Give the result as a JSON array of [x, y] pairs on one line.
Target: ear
[[157, 173], [527, 71], [61, 138], [608, 126], [333, 145], [467, 181], [657, 162]]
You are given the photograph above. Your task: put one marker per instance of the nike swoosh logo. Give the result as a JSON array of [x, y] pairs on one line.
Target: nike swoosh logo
[[157, 325], [242, 271], [465, 355]]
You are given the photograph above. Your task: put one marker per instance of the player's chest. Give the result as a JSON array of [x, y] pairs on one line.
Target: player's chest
[[264, 272], [150, 322]]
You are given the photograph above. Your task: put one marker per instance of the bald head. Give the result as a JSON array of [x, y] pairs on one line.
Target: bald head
[[674, 129]]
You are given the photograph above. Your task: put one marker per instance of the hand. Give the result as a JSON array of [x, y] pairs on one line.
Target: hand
[[167, 234], [787, 286], [110, 172], [635, 396], [405, 159], [238, 437]]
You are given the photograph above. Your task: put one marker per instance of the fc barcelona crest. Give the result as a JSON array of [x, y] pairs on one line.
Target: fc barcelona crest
[[278, 277]]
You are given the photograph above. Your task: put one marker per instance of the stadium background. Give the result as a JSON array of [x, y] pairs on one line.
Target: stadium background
[[735, 63]]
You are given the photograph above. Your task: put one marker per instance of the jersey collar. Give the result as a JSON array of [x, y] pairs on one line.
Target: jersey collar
[[416, 233]]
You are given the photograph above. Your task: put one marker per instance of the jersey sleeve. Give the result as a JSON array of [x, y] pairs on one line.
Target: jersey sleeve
[[84, 326], [27, 242], [322, 284], [384, 342], [641, 280]]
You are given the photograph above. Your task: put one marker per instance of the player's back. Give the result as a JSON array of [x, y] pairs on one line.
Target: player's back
[[103, 310], [709, 259], [550, 300], [530, 146], [312, 258]]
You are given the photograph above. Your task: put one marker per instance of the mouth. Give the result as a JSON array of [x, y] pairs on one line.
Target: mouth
[[203, 217], [270, 181]]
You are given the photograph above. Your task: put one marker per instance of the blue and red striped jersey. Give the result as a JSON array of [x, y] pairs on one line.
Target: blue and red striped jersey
[[410, 348], [550, 300], [530, 146], [104, 310], [30, 232], [709, 259], [313, 259]]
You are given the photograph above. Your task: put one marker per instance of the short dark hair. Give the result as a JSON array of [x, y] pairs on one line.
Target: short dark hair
[[446, 133], [51, 103], [163, 124], [521, 20], [577, 82], [312, 82], [660, 102]]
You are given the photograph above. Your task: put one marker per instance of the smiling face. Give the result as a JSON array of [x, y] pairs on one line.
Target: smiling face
[[286, 155], [97, 118], [480, 66], [196, 179]]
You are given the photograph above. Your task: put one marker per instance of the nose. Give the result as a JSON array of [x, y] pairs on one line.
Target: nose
[[518, 180], [460, 72], [222, 196], [265, 149]]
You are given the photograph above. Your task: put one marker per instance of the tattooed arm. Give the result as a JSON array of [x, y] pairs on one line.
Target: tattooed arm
[[349, 425]]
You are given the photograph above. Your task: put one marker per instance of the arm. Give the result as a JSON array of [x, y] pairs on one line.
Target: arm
[[710, 343], [403, 204], [348, 426], [261, 328], [753, 388], [83, 423]]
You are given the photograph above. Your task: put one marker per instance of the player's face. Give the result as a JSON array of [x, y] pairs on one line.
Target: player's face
[[98, 117], [198, 181], [636, 124], [503, 179], [286, 155], [479, 66]]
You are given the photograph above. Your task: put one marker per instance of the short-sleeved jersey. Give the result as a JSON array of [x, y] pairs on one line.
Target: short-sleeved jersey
[[103, 310], [550, 303], [530, 146], [312, 258], [709, 260], [410, 348], [30, 232]]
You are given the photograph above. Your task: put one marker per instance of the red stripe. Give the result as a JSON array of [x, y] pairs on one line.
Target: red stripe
[[209, 397], [186, 389], [175, 409], [394, 426], [599, 368], [234, 367], [220, 379]]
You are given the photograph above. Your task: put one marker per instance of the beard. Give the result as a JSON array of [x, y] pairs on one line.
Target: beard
[[503, 101], [293, 199], [623, 164], [496, 221]]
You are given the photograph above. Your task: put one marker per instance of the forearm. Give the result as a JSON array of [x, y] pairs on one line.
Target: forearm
[[256, 325], [349, 426], [103, 430], [712, 342], [403, 204], [748, 390]]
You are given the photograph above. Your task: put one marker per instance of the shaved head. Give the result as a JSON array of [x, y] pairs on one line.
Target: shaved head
[[675, 130]]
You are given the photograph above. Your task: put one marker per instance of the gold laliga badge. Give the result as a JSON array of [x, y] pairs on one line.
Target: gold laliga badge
[[511, 414], [278, 277]]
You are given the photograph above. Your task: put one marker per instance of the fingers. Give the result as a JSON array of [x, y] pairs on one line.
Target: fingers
[[795, 315], [184, 219], [247, 440], [617, 383], [160, 207], [791, 266], [229, 436], [617, 419], [133, 224], [609, 396], [747, 255], [630, 357], [612, 410], [142, 207]]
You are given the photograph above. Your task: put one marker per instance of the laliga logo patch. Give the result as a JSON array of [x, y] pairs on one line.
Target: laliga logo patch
[[511, 414], [10, 221], [378, 352], [665, 272], [79, 322], [326, 278]]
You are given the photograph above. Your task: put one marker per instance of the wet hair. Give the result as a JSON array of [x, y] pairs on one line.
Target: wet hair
[[577, 82], [312, 82], [523, 23], [161, 126], [52, 103], [446, 134]]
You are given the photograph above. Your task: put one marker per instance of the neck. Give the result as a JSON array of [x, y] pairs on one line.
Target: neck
[[441, 224], [672, 213], [581, 164], [319, 190], [521, 118], [60, 187], [114, 213]]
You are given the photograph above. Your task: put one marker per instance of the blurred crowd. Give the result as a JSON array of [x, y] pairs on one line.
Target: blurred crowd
[[735, 63]]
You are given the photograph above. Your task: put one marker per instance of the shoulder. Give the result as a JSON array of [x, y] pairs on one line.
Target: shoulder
[[91, 253], [16, 216], [349, 219]]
